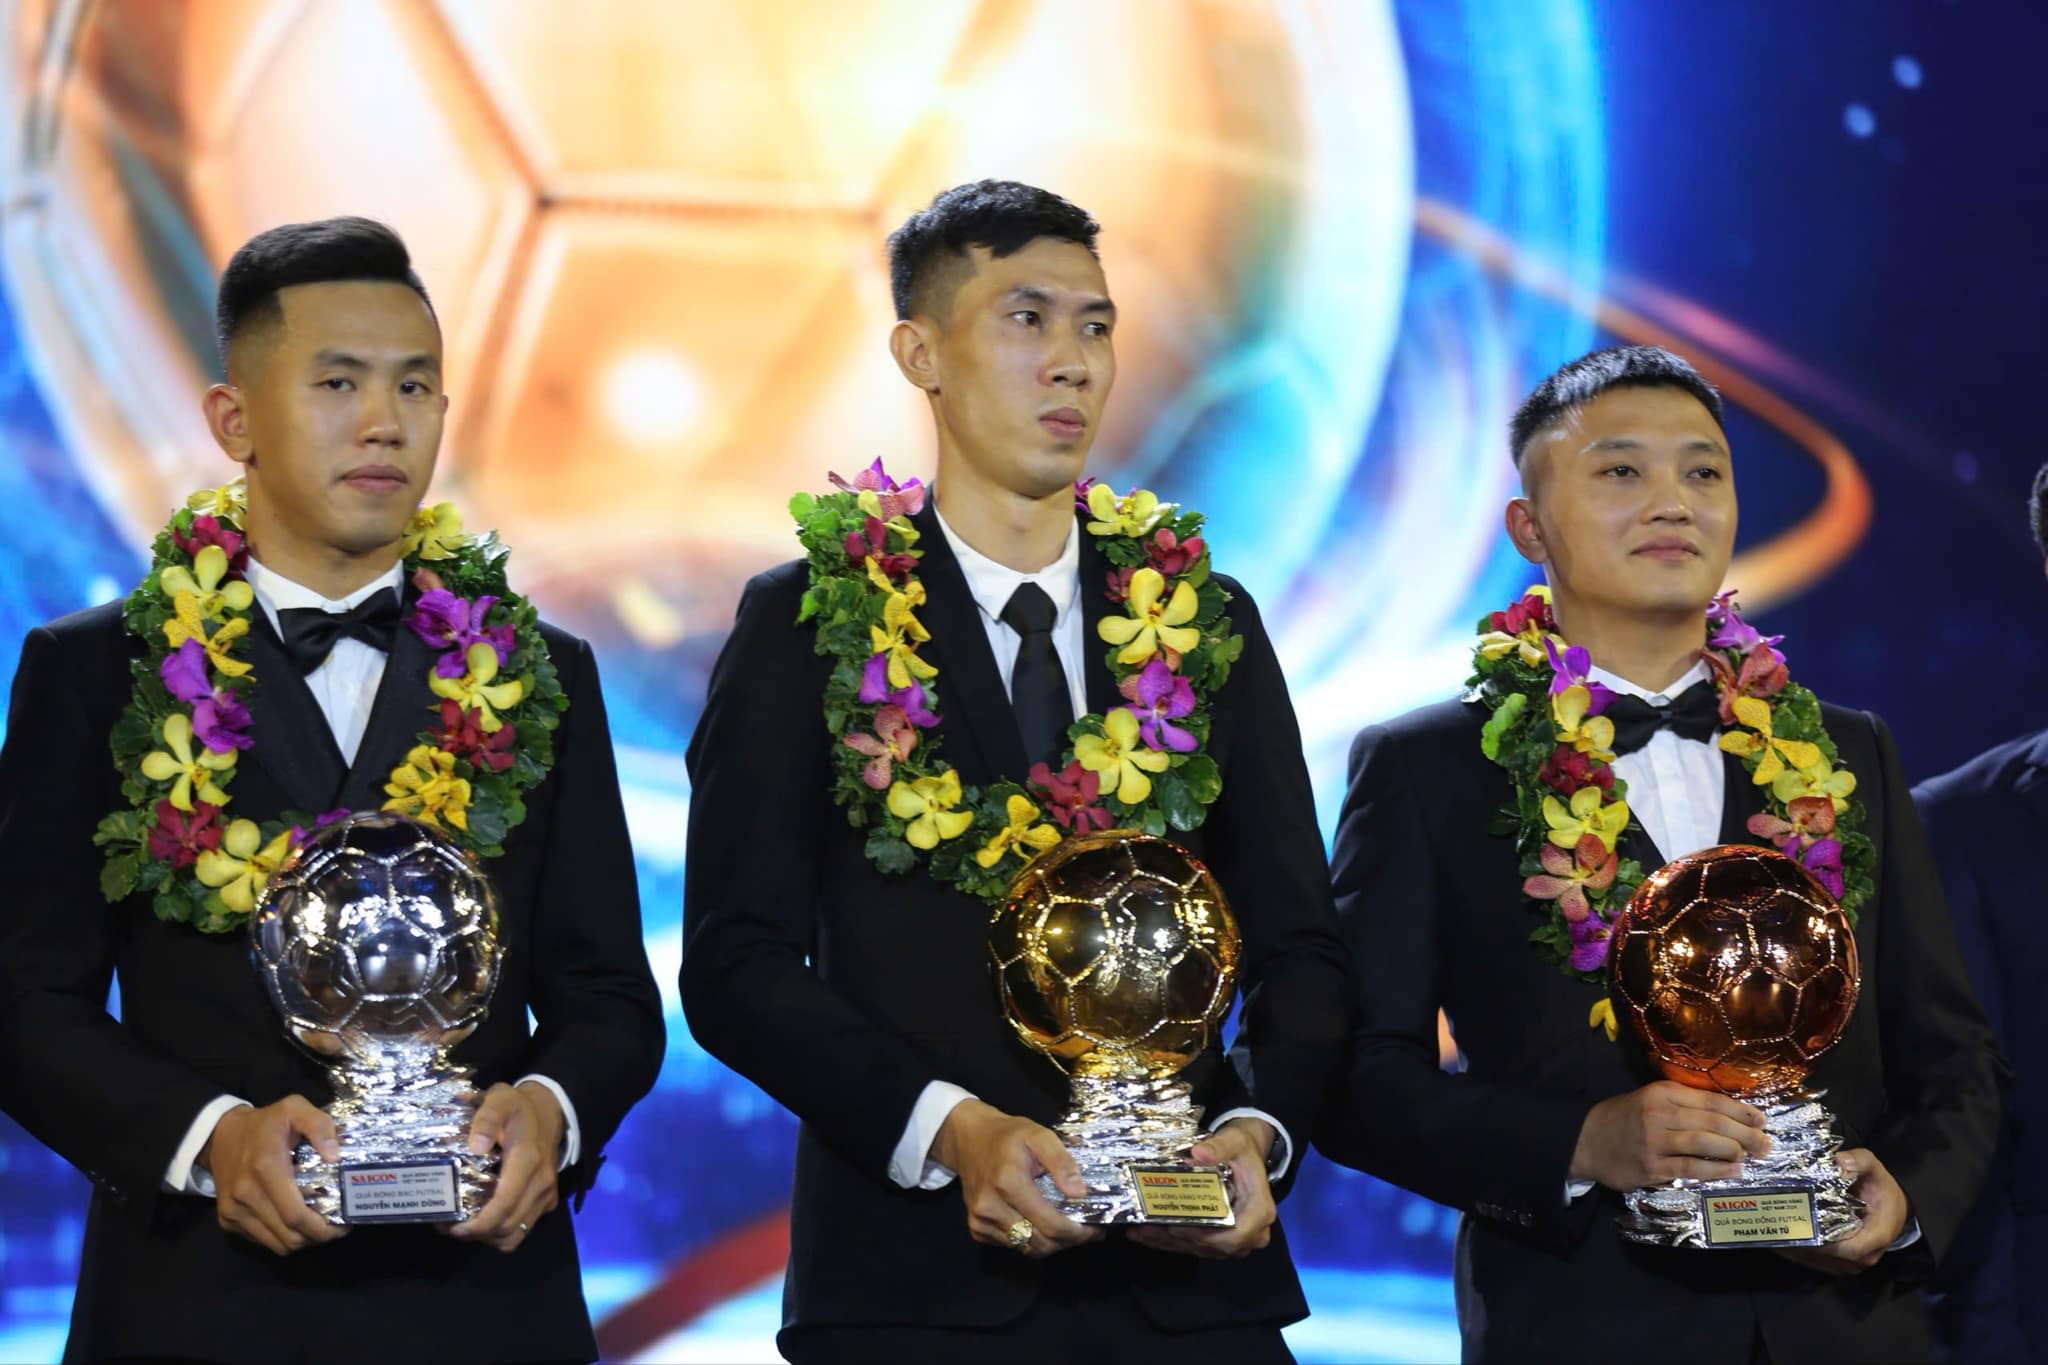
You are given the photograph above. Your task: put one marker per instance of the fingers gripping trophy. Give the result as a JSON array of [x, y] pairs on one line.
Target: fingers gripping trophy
[[379, 945], [1737, 970], [1115, 956]]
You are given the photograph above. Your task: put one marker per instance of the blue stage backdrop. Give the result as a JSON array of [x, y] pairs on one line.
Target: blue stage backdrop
[[1346, 235]]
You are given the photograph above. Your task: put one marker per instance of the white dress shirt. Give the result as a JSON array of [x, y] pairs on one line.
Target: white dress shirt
[[1677, 788], [345, 686], [911, 1165]]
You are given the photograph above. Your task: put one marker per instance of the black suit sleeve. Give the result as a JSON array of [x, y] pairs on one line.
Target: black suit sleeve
[[758, 763], [1944, 1080], [599, 1033], [1263, 840], [1461, 1141], [87, 1088]]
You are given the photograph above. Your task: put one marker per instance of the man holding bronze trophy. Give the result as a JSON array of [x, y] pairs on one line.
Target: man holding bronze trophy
[[310, 642], [1533, 860], [995, 794]]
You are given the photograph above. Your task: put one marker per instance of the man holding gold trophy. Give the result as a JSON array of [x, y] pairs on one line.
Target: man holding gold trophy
[[996, 795], [330, 718], [1724, 1093]]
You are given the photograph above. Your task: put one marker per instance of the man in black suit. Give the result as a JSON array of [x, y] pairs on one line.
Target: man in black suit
[[1629, 505], [1984, 820], [863, 1002], [185, 1110]]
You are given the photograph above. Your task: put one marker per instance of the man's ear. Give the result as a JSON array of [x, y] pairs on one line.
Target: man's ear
[[1525, 532], [914, 344], [228, 419]]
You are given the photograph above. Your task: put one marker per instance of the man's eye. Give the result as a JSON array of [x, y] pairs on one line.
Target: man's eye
[[337, 384], [1621, 471], [1098, 329], [1707, 471], [413, 388], [1026, 316]]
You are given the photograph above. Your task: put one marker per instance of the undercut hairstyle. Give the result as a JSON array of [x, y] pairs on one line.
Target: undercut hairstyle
[[2037, 509], [928, 254], [1617, 367], [327, 251]]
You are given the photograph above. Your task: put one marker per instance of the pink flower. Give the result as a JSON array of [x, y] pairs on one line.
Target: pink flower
[[1119, 584], [180, 838], [1172, 556], [462, 734], [875, 691], [1567, 877], [1518, 617], [207, 530], [1081, 487], [1070, 797], [448, 622], [872, 542], [892, 741], [1763, 675], [1567, 770], [892, 499]]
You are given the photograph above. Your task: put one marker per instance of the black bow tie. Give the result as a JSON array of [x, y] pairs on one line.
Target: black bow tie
[[311, 633], [1696, 714]]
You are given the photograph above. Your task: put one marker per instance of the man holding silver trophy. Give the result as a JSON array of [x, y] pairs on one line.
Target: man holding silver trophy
[[1022, 1138], [331, 720], [1723, 1091]]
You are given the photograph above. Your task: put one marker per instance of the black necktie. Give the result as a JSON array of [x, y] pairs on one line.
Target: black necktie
[[1696, 714], [1038, 685], [311, 633]]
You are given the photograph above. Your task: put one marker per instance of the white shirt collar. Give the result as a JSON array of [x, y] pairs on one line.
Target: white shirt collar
[[991, 583], [278, 593], [1698, 673]]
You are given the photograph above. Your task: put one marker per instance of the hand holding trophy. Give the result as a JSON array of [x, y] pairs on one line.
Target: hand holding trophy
[[378, 942], [1737, 970], [1115, 956]]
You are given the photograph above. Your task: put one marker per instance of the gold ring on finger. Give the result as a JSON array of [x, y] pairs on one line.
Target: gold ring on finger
[[1020, 1234]]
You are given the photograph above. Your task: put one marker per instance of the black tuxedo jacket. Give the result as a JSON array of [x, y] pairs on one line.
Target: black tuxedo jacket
[[1986, 820], [158, 1276], [842, 991], [1432, 910]]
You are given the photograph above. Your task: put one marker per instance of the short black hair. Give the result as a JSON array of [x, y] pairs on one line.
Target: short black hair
[[1616, 367], [331, 249], [2037, 509], [1002, 215]]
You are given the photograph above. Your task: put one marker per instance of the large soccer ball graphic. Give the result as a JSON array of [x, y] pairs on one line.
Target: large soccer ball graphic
[[1115, 955], [380, 933], [1736, 969]]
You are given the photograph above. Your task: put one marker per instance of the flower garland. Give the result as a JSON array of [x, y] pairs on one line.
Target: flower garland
[[1570, 808], [1142, 766], [184, 728]]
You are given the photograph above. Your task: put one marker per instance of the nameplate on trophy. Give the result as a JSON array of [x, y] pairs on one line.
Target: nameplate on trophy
[[1759, 1218], [1182, 1194], [400, 1192]]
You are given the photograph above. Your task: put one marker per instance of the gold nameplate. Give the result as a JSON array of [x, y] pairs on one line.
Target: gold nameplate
[[1183, 1194], [1759, 1218]]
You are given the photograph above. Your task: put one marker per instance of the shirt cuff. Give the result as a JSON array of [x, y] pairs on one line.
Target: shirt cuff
[[1576, 1190], [911, 1165], [572, 1136], [1282, 1155], [185, 1175], [1906, 1238]]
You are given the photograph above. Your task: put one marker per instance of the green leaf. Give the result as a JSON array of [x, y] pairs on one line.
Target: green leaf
[[1499, 722], [802, 506], [1153, 821], [1182, 811], [1203, 778], [117, 876], [888, 852], [486, 826]]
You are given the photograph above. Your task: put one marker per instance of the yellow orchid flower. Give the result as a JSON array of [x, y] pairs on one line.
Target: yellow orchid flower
[[900, 634], [198, 597], [1816, 779], [239, 869], [474, 690], [425, 786], [928, 805], [902, 527], [225, 504], [435, 533], [1529, 644], [1585, 816], [1592, 736], [185, 771], [1777, 753], [1120, 758], [1027, 838], [1151, 623], [1601, 1016], [1135, 515]]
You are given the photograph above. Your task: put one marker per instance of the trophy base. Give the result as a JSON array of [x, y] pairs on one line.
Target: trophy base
[[1795, 1196], [1130, 1137], [405, 1158]]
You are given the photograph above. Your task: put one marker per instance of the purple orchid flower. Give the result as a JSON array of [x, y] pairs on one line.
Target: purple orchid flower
[[219, 719], [1572, 670], [1823, 858], [1159, 698], [1730, 631], [1081, 487], [184, 672], [897, 499], [1589, 943], [448, 622], [300, 834], [875, 691]]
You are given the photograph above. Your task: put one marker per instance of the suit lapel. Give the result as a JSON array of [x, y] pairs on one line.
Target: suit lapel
[[1095, 605], [980, 728], [293, 741], [1740, 799], [405, 706]]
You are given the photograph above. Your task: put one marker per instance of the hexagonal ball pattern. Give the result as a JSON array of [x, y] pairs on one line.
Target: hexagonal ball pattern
[[1736, 969], [379, 929], [1115, 951]]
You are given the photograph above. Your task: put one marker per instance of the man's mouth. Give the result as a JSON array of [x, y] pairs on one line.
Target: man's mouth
[[1066, 423], [376, 478]]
